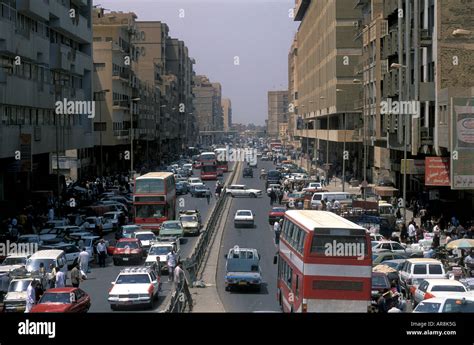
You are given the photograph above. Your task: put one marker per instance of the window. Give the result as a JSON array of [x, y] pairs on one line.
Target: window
[[297, 285], [419, 269], [435, 269], [97, 39]]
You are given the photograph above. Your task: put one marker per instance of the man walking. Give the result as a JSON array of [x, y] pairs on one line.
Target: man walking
[[171, 262], [181, 285], [272, 197], [76, 276], [412, 232], [102, 252], [31, 296], [277, 229], [60, 279], [208, 197], [84, 260], [280, 196]]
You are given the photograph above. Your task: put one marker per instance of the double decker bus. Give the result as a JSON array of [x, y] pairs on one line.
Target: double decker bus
[[154, 200], [221, 158], [208, 165], [324, 264]]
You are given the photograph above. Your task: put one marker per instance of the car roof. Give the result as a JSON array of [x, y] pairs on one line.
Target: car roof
[[244, 210], [443, 299], [424, 261], [47, 253], [61, 290], [320, 219], [128, 240], [143, 232], [439, 281], [134, 270]]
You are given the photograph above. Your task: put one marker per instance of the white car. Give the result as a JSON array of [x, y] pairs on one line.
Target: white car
[[50, 234], [113, 217], [145, 237], [273, 186], [94, 222], [13, 262], [391, 246], [453, 304], [242, 191], [244, 218], [430, 288], [138, 285], [191, 223], [161, 249], [194, 181], [376, 237], [313, 187]]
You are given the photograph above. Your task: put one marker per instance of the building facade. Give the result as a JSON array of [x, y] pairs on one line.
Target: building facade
[[277, 111], [227, 114]]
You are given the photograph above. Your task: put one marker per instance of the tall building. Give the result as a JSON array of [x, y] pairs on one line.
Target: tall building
[[295, 121], [227, 113], [326, 57], [218, 115], [277, 111], [45, 57]]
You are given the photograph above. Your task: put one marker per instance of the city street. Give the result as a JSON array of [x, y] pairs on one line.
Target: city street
[[261, 238], [99, 280]]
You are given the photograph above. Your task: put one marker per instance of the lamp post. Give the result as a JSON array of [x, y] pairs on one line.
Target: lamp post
[[131, 133], [97, 97], [343, 149], [400, 66]]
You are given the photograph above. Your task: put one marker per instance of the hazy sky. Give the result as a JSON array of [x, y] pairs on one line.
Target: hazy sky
[[259, 32]]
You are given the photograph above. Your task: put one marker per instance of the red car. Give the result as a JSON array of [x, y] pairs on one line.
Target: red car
[[127, 250], [63, 300], [276, 214]]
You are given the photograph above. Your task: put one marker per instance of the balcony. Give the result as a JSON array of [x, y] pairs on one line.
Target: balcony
[[124, 75], [61, 57], [33, 8], [121, 104], [77, 28]]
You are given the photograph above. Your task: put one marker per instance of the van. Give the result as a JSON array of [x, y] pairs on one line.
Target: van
[[49, 256], [342, 197], [414, 271]]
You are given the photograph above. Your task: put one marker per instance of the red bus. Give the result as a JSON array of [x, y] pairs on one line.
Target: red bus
[[221, 158], [154, 200], [324, 264], [208, 165]]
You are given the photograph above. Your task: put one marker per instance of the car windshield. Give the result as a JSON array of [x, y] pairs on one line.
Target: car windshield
[[19, 285], [458, 306], [34, 265], [149, 186], [426, 307], [161, 250], [109, 216], [379, 281], [59, 298], [172, 225], [188, 218], [244, 213], [130, 230], [145, 237], [127, 244], [133, 279], [14, 261], [279, 209], [150, 211]]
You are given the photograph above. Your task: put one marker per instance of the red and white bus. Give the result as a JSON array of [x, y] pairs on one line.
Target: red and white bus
[[208, 165], [324, 264], [221, 158], [154, 200]]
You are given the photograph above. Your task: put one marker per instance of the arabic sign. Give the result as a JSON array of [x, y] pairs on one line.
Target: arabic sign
[[437, 171], [414, 167], [462, 143]]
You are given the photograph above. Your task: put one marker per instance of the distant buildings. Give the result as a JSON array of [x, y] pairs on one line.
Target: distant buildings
[[227, 113], [277, 111]]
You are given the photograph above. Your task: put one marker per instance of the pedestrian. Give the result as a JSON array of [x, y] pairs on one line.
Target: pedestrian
[[76, 276], [384, 301], [30, 296], [60, 279], [171, 262], [52, 276], [102, 252], [328, 205], [208, 197], [51, 213], [84, 260], [412, 231], [38, 291], [181, 285], [276, 229], [280, 196], [323, 205]]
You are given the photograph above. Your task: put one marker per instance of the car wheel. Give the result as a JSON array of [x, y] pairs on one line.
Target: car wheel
[[113, 307], [253, 195]]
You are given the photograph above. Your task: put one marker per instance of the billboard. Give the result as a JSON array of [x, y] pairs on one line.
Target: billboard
[[462, 143], [437, 171], [414, 167]]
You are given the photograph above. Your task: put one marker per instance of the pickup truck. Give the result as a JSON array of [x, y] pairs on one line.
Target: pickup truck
[[241, 190], [243, 268]]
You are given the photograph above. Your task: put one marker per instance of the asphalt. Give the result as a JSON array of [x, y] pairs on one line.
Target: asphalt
[[261, 238], [99, 280]]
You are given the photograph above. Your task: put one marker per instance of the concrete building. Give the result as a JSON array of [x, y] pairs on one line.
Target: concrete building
[[277, 111], [218, 114], [295, 121], [227, 114], [45, 57], [327, 55]]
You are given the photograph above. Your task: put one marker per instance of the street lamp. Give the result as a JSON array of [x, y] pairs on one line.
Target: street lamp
[[399, 66], [343, 149], [98, 93], [131, 132]]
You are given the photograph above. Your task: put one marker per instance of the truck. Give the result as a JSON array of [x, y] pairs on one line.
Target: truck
[[242, 268]]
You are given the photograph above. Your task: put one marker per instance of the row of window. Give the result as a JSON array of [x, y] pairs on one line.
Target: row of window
[[294, 235], [285, 273], [120, 97], [26, 116]]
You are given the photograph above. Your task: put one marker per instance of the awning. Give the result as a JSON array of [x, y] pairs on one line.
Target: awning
[[385, 191]]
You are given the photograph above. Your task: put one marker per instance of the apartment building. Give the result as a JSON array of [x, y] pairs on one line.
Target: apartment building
[[45, 57], [327, 54], [277, 111], [420, 53], [218, 114], [295, 121], [227, 113]]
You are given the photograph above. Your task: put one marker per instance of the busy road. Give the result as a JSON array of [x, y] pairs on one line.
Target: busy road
[[98, 282], [260, 237]]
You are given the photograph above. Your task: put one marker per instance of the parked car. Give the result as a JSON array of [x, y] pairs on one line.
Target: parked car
[[15, 299], [241, 190], [292, 199], [128, 250], [63, 300], [430, 288], [134, 286], [458, 304], [70, 250], [276, 214], [244, 218]]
